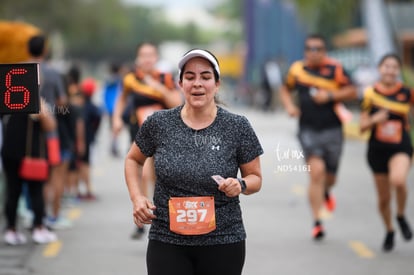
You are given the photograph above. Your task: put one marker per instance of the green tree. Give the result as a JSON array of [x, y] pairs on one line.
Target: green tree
[[97, 29], [232, 11], [328, 17]]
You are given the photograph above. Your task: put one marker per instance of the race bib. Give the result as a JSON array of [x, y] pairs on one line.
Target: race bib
[[145, 111], [192, 215], [389, 131]]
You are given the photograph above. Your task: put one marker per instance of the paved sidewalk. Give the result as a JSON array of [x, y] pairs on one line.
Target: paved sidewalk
[[13, 259], [277, 220]]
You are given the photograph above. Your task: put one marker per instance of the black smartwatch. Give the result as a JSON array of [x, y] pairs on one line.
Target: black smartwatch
[[242, 184]]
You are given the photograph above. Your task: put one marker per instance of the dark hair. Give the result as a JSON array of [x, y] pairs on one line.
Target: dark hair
[[37, 45], [216, 74], [390, 55], [146, 43], [114, 67], [316, 36], [74, 74]]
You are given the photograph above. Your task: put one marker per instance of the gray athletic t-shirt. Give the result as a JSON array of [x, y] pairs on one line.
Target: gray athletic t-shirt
[[185, 159], [52, 86]]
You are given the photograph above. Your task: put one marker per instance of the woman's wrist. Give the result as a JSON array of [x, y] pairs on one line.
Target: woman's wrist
[[373, 120], [331, 97]]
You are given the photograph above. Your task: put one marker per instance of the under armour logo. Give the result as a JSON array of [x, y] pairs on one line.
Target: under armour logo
[[215, 147]]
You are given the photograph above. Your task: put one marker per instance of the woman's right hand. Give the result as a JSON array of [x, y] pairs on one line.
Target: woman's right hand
[[117, 125], [143, 211], [293, 111], [380, 116]]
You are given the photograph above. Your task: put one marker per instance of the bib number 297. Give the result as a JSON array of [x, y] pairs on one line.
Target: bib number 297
[[192, 215]]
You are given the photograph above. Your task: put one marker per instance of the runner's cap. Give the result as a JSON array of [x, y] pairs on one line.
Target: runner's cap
[[199, 53], [88, 86]]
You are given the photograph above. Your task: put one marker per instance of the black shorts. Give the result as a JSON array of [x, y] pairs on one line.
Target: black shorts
[[226, 259], [378, 157], [326, 144]]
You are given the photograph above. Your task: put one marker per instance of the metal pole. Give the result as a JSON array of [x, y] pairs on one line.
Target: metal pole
[[378, 26]]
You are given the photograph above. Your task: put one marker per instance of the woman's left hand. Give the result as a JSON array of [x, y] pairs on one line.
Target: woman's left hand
[[322, 96], [143, 211], [231, 187]]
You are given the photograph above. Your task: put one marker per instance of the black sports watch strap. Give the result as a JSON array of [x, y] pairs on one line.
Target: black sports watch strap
[[242, 184]]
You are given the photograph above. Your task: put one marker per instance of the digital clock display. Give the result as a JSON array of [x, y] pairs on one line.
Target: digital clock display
[[19, 88]]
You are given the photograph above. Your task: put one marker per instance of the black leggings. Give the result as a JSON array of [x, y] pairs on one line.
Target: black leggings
[[227, 259], [14, 185]]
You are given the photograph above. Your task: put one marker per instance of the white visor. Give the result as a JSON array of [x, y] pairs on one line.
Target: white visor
[[199, 53]]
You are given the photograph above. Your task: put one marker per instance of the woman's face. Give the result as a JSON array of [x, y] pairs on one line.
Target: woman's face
[[389, 71], [198, 83], [147, 57]]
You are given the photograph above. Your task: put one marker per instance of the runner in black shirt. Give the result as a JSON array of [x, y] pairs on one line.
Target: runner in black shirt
[[197, 225]]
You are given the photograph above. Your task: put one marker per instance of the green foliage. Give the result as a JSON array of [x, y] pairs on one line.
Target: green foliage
[[408, 76], [328, 17], [232, 9], [97, 29]]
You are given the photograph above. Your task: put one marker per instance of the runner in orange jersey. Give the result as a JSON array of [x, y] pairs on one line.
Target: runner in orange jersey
[[385, 110]]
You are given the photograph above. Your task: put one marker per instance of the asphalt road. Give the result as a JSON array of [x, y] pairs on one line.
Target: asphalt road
[[277, 219]]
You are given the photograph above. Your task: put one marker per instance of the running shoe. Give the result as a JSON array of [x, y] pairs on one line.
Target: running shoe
[[114, 150], [405, 228], [318, 233], [43, 236], [138, 233], [12, 237], [388, 244], [90, 197], [87, 197], [58, 223], [330, 202]]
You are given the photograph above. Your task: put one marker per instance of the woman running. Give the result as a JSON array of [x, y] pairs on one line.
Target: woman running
[[385, 109]]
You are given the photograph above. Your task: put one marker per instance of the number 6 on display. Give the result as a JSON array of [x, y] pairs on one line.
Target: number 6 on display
[[19, 88]]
